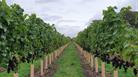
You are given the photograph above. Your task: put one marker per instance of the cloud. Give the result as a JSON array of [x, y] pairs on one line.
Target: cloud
[[66, 21], [47, 17], [71, 16], [45, 1], [71, 31]]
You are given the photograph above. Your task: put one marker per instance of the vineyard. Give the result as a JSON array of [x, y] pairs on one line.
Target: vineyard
[[113, 41], [30, 47]]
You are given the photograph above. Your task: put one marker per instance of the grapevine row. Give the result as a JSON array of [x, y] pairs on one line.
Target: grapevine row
[[112, 39], [24, 38]]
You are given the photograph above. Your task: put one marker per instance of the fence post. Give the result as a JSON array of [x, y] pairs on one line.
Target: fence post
[[89, 58], [56, 54], [32, 70], [116, 73], [46, 62], [51, 57], [81, 51], [91, 61], [103, 69], [85, 55], [42, 69], [15, 75], [96, 65]]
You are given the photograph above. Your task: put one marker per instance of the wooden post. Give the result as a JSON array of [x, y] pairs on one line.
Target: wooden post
[[89, 58], [115, 73], [96, 65], [103, 70], [32, 70], [42, 69], [61, 49], [51, 57], [81, 51], [56, 54], [46, 62], [59, 52], [91, 61], [15, 75], [47, 59], [84, 54]]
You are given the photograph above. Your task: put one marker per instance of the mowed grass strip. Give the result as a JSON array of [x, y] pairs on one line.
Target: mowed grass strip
[[69, 64]]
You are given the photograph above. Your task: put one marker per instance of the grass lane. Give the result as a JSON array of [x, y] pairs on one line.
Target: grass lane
[[69, 64]]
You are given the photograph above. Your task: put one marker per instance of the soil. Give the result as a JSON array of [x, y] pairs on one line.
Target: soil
[[87, 70], [48, 72], [51, 70]]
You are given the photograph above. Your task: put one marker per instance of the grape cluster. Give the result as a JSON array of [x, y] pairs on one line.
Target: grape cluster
[[116, 62], [97, 54], [12, 64], [30, 57], [105, 58], [23, 59], [135, 71]]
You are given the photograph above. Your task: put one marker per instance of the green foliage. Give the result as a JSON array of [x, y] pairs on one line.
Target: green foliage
[[111, 37], [25, 36]]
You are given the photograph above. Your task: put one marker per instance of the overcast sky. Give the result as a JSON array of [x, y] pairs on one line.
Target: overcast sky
[[71, 16]]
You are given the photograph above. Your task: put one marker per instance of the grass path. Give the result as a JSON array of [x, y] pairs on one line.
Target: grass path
[[69, 64]]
